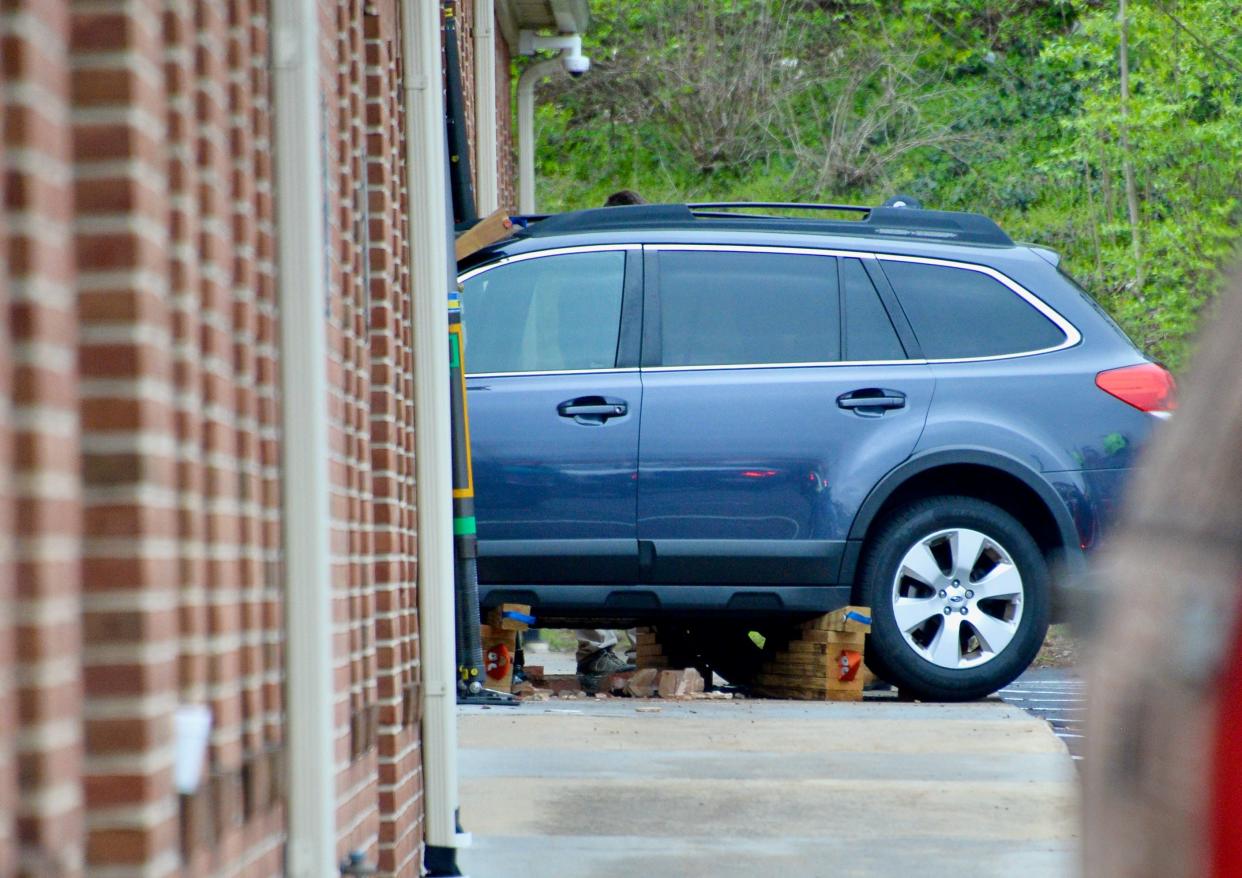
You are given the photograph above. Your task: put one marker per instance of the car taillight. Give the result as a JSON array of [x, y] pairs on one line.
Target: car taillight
[[1147, 387]]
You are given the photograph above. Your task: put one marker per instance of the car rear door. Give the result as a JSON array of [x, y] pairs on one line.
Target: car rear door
[[551, 345], [777, 393]]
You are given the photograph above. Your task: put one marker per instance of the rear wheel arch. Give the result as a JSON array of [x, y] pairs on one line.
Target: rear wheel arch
[[1003, 481]]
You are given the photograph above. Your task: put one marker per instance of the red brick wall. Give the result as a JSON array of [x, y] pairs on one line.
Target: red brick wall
[[349, 388], [465, 50], [224, 398], [392, 452], [129, 598], [505, 156], [8, 701], [45, 484], [140, 440], [371, 439], [8, 704], [506, 146]]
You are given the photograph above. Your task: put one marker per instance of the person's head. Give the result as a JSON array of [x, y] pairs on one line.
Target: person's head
[[624, 196]]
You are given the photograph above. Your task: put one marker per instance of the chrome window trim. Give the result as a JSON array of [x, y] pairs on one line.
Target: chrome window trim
[[536, 254], [761, 248], [625, 370], [522, 257], [1072, 335], [829, 364]]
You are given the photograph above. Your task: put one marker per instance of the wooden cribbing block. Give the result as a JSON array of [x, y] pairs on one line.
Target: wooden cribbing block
[[823, 661], [846, 619], [499, 651], [485, 231], [825, 646], [510, 617], [836, 638], [648, 651]]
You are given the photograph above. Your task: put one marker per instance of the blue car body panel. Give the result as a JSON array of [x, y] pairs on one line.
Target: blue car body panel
[[554, 498], [748, 489], [754, 475]]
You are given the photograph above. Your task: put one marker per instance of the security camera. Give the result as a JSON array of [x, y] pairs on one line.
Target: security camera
[[568, 45], [575, 64]]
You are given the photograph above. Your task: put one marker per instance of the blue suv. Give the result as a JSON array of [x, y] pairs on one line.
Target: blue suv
[[724, 421]]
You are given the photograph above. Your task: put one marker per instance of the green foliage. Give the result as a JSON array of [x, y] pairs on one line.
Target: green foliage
[[1008, 107]]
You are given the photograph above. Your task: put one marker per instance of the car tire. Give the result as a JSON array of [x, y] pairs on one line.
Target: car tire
[[929, 562]]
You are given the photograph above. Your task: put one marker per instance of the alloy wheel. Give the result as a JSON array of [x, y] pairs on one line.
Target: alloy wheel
[[957, 598]]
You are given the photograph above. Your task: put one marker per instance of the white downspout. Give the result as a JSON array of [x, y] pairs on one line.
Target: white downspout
[[303, 291], [426, 161], [485, 160], [526, 131]]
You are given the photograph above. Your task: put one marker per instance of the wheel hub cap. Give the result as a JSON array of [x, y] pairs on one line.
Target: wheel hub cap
[[957, 598]]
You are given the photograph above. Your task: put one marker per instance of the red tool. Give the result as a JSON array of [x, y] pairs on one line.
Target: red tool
[[497, 661], [848, 664]]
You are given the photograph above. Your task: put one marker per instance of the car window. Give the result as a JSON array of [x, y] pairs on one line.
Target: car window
[[726, 308], [547, 314], [958, 313], [1095, 306], [869, 333]]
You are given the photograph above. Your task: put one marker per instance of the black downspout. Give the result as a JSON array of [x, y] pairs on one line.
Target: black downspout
[[465, 214]]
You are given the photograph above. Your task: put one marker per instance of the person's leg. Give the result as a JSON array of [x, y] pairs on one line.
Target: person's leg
[[592, 640], [632, 653], [595, 655]]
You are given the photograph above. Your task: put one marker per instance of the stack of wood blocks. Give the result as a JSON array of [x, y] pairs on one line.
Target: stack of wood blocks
[[823, 659], [648, 652], [499, 637]]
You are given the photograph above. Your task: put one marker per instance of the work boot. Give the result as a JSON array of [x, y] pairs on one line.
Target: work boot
[[597, 669], [605, 661]]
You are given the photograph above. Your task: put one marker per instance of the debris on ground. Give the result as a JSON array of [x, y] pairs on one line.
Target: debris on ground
[[643, 683], [685, 683], [1060, 650]]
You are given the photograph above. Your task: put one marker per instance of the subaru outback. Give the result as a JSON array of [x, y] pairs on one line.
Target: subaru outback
[[701, 414]]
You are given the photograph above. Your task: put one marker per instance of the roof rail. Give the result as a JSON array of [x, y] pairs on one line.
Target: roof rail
[[699, 207], [616, 218], [882, 222]]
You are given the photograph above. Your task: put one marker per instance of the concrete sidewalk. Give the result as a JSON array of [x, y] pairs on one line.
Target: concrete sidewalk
[[707, 788]]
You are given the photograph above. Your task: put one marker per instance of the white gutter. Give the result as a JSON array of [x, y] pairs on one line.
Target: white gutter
[[303, 290], [526, 131], [426, 160], [486, 165]]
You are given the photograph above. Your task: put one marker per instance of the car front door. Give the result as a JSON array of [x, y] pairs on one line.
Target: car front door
[[554, 399], [776, 394]]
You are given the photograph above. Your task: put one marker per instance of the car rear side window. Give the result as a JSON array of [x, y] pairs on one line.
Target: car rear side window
[[868, 331], [958, 313], [722, 308], [553, 313]]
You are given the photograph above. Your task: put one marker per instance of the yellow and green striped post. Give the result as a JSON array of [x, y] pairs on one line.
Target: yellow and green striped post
[[465, 536]]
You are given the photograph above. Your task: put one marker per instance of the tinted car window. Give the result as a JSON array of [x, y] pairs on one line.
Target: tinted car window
[[722, 308], [960, 313], [546, 314], [869, 334]]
